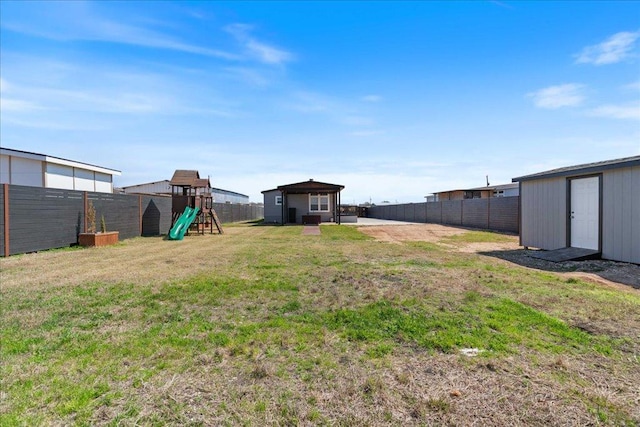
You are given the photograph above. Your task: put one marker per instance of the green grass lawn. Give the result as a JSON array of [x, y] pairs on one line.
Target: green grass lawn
[[339, 329]]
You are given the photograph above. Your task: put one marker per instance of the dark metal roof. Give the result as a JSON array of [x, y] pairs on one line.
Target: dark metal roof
[[310, 186], [583, 169]]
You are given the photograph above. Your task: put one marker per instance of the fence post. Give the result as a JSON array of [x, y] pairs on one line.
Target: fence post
[[5, 189], [489, 214], [140, 213]]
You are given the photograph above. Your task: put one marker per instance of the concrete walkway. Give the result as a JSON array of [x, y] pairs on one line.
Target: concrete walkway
[[311, 230]]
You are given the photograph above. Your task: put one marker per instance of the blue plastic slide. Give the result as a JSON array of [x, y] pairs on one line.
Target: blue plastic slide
[[182, 224]]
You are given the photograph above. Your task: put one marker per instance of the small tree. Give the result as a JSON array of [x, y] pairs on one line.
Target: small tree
[[91, 218], [103, 225]]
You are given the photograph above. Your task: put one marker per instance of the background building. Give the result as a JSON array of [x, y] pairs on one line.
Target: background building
[[41, 170], [164, 187]]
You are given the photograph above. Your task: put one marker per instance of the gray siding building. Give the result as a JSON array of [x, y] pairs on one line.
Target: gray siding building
[[164, 187], [302, 203], [592, 206]]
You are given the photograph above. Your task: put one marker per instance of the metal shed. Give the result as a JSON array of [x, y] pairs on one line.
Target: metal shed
[[593, 206]]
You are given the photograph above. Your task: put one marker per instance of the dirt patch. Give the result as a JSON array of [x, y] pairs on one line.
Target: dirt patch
[[600, 271], [407, 233]]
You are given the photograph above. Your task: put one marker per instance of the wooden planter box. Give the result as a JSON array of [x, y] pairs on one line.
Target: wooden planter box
[[98, 239]]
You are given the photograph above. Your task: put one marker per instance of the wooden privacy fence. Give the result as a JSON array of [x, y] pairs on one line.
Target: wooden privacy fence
[[34, 219], [495, 213]]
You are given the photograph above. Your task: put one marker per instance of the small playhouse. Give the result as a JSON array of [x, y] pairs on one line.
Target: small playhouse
[[191, 205]]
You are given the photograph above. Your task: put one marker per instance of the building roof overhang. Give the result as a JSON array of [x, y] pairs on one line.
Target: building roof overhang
[[310, 186], [58, 161]]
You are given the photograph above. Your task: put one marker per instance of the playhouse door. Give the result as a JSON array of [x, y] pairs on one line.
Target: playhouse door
[[585, 213]]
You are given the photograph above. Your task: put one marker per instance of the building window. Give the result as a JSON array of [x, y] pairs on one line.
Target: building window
[[318, 202], [278, 200], [472, 194]]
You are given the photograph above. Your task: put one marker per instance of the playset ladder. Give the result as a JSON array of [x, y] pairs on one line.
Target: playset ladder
[[216, 221]]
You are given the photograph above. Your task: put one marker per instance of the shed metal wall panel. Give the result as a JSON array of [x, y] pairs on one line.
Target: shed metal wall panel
[[621, 214], [544, 213], [475, 213]]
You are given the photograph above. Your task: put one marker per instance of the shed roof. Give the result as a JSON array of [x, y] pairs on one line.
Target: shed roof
[[583, 169]]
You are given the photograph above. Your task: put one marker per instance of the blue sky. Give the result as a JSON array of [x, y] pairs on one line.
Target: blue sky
[[394, 100]]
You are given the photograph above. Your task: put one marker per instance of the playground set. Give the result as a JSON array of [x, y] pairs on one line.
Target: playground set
[[191, 205]]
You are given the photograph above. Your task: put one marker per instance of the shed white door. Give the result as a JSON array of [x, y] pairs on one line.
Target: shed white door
[[585, 212]]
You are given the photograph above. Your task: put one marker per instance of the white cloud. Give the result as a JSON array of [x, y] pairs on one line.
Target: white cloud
[[79, 21], [372, 98], [630, 110], [633, 86], [268, 54], [553, 97], [258, 49], [615, 49], [17, 105], [4, 86]]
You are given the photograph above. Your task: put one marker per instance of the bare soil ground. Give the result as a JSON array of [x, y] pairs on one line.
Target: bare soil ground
[[601, 271]]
